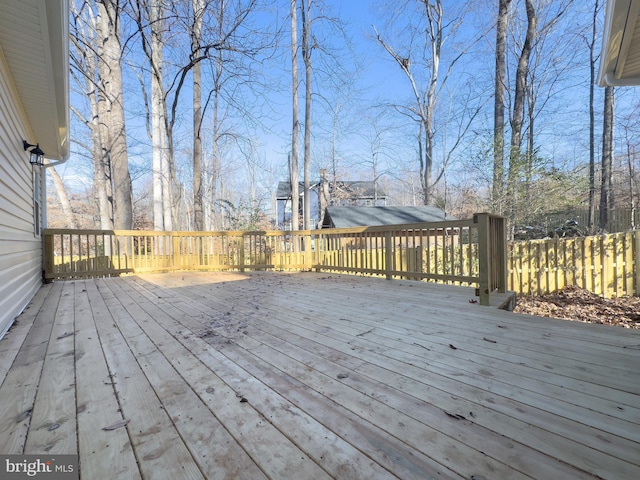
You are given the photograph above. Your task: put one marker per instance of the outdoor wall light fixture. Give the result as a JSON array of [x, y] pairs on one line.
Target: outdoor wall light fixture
[[36, 155]]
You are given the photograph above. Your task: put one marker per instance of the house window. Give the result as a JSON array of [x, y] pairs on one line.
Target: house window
[[37, 199]]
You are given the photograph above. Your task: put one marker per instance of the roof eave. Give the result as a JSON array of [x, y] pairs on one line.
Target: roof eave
[[38, 59], [57, 26], [618, 41]]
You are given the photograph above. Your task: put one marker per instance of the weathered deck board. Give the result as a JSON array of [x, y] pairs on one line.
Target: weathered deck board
[[98, 408], [180, 400], [13, 339], [18, 391], [540, 438], [159, 449], [53, 421], [343, 377]]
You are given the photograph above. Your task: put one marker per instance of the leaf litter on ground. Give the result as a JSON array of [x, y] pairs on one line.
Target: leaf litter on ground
[[577, 304]]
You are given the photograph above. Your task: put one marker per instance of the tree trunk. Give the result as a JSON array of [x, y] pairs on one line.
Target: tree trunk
[[498, 109], [295, 122], [434, 14], [161, 151], [157, 121], [101, 167], [592, 123], [114, 136], [517, 118], [198, 8], [69, 216], [607, 158], [631, 179], [530, 156], [306, 55], [215, 150], [85, 62]]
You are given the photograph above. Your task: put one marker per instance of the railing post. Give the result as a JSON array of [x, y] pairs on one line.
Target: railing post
[[175, 251], [484, 257], [502, 254], [308, 261], [47, 257], [388, 254], [241, 260]]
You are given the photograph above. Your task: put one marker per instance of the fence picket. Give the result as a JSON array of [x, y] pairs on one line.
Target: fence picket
[[606, 265]]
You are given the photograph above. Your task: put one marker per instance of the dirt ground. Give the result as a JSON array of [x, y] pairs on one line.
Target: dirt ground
[[577, 304]]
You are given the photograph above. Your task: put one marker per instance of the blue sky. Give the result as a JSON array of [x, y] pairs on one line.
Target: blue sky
[[376, 81]]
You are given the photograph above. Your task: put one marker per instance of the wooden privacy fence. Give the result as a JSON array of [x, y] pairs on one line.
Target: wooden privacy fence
[[606, 265], [470, 252]]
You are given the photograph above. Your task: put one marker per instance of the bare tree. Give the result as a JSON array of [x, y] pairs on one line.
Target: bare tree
[[306, 56], [592, 123], [295, 121], [533, 71], [70, 218], [196, 40], [545, 75], [499, 105], [517, 117], [606, 181], [96, 66], [84, 71], [630, 124], [424, 55], [111, 109], [150, 18]]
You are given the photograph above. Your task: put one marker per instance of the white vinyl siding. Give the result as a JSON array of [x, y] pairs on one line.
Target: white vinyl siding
[[20, 248]]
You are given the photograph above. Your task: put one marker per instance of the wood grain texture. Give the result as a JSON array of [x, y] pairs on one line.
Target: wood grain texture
[[308, 375]]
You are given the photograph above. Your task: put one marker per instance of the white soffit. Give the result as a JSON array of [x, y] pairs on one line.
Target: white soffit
[[34, 39], [620, 56]]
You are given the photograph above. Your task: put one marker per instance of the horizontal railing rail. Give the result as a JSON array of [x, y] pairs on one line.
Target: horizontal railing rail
[[459, 252]]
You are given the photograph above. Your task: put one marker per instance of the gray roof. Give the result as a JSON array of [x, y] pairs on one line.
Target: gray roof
[[346, 217], [361, 189]]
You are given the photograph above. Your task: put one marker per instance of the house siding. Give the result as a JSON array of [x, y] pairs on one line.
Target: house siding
[[20, 248]]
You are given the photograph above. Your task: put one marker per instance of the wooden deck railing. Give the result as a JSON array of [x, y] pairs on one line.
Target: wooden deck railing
[[470, 252]]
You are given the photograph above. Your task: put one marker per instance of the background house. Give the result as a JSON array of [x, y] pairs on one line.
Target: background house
[[34, 106], [325, 193]]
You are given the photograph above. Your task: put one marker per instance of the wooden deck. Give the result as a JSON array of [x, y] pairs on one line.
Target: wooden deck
[[311, 376]]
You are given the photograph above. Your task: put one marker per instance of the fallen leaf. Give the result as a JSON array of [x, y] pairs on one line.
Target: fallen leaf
[[243, 400], [473, 300], [488, 340], [121, 423], [453, 347], [66, 334], [343, 375]]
